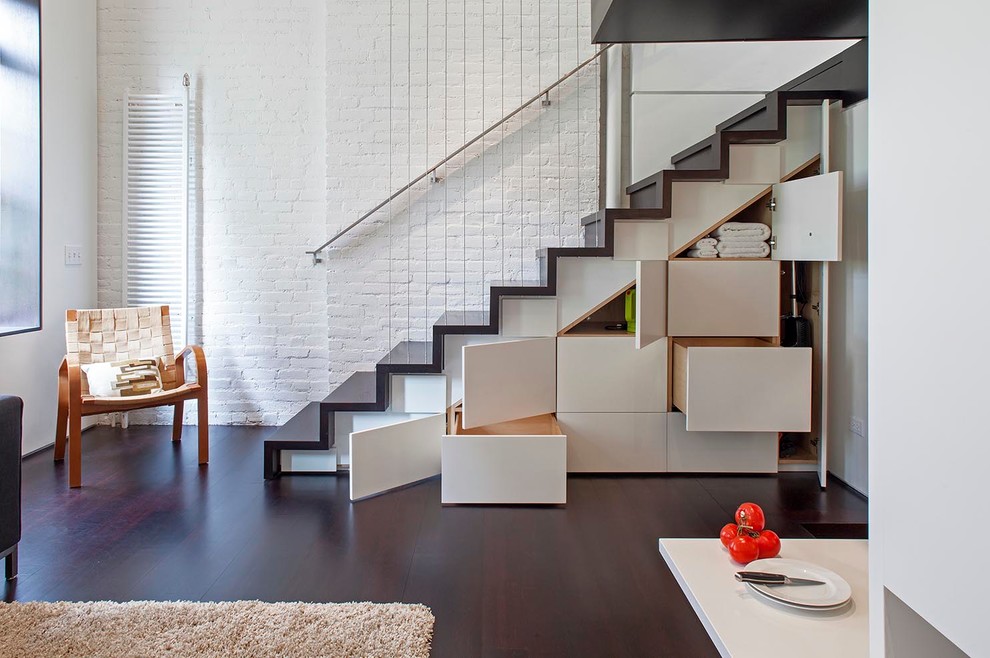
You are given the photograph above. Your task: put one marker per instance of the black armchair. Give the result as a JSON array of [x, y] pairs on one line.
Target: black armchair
[[11, 409]]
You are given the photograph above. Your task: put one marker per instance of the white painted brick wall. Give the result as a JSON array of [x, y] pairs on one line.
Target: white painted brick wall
[[292, 139]]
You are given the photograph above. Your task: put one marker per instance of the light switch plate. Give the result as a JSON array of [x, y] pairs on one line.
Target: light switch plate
[[73, 254]]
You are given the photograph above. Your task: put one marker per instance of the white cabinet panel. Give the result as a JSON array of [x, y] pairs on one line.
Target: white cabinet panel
[[584, 284], [419, 394], [509, 380], [718, 452], [754, 163], [804, 136], [641, 239], [723, 298], [651, 302], [615, 442], [807, 220], [743, 388], [525, 465], [528, 317], [395, 455], [696, 207], [606, 374]]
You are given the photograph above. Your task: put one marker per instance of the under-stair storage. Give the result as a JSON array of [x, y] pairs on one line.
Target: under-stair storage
[[718, 452], [723, 298], [615, 442], [604, 374], [742, 385], [521, 461]]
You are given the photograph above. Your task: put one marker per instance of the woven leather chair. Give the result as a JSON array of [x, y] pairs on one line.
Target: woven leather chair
[[116, 334], [11, 410]]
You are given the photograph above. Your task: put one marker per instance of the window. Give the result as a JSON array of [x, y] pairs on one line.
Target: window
[[20, 166]]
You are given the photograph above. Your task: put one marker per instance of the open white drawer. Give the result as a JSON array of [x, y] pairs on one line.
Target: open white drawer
[[742, 385], [513, 462]]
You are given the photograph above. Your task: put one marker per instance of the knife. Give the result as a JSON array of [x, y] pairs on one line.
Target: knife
[[764, 578]]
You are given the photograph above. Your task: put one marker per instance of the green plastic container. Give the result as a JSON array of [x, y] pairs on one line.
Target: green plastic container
[[631, 310]]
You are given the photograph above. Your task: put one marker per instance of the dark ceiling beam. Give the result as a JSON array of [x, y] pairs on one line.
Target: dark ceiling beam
[[645, 21]]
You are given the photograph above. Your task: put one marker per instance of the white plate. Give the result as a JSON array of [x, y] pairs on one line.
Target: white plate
[[835, 593]]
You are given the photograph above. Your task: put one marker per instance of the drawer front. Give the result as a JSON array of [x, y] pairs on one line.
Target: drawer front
[[504, 469], [723, 298], [745, 389], [718, 452], [615, 442], [608, 374]]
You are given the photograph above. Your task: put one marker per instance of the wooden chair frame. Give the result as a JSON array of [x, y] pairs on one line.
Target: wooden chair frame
[[74, 401]]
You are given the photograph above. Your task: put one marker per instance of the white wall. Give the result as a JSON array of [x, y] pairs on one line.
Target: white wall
[[848, 289], [68, 126], [681, 91], [292, 141], [929, 445]]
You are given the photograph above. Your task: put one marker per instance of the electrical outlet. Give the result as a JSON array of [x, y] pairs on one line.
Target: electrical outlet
[[73, 254], [857, 427]]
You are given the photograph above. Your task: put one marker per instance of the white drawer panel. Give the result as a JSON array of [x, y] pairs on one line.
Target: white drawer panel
[[615, 442], [608, 374], [718, 452]]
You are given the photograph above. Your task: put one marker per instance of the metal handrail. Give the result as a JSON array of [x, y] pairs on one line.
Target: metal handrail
[[316, 252]]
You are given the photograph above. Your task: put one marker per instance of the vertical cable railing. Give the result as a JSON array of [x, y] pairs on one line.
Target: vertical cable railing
[[525, 145]]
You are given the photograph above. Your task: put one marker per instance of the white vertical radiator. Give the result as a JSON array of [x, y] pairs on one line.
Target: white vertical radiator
[[155, 204]]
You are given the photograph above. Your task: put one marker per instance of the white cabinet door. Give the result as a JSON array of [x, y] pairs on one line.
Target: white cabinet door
[[608, 373], [395, 455], [651, 302], [807, 219], [615, 442], [723, 298], [509, 380], [718, 452]]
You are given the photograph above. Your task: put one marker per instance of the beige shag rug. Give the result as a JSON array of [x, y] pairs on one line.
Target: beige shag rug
[[244, 628]]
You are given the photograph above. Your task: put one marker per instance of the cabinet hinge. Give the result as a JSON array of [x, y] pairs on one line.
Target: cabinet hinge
[[772, 204]]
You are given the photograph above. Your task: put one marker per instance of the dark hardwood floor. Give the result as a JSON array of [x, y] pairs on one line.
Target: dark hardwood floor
[[580, 580]]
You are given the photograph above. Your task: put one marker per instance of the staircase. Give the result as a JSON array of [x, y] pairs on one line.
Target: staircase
[[841, 78]]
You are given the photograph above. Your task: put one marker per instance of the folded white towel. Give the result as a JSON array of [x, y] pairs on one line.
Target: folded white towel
[[707, 252], [750, 231], [739, 245], [743, 249], [706, 243]]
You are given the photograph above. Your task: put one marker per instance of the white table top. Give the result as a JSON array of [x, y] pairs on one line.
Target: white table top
[[742, 624]]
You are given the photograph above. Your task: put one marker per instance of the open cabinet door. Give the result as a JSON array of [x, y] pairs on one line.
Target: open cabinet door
[[395, 455], [651, 302], [509, 380], [807, 219]]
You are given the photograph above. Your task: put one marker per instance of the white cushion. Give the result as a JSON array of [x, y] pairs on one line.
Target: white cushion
[[123, 378]]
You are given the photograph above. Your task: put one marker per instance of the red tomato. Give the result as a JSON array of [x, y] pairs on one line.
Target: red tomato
[[768, 543], [744, 549], [729, 532], [750, 514]]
